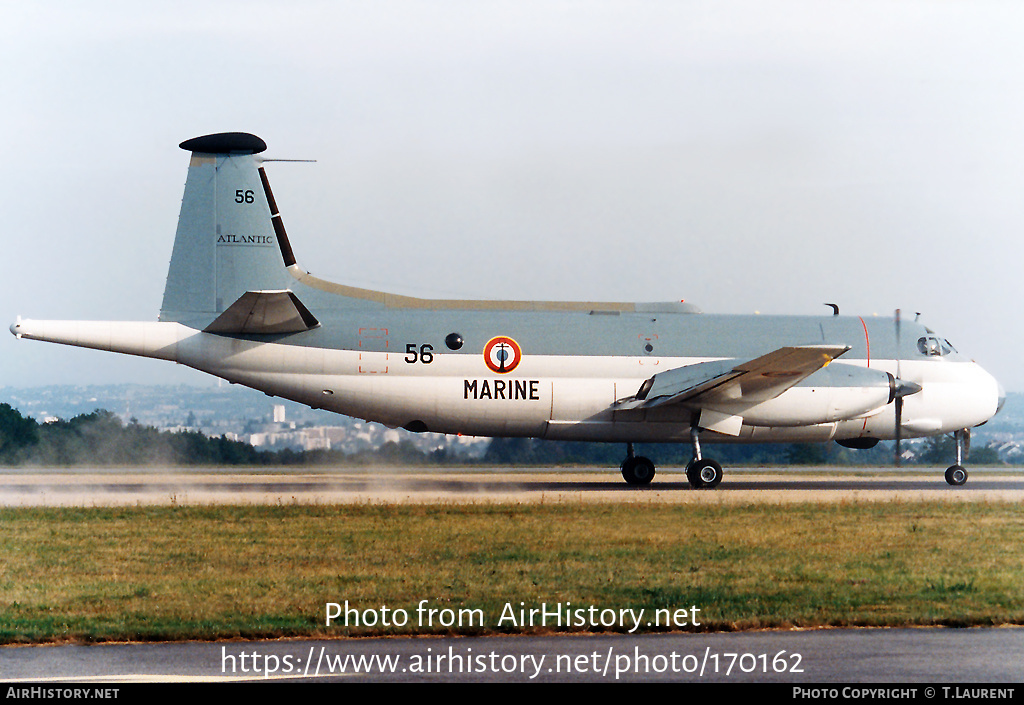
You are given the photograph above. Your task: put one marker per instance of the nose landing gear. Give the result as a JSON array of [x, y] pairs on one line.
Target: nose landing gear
[[956, 475]]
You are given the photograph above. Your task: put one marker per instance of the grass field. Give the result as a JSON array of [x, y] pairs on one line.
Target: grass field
[[157, 573]]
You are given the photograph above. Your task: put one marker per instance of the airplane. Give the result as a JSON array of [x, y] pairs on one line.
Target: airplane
[[237, 305]]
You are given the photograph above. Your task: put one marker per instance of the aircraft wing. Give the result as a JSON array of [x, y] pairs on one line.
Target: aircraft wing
[[264, 313], [753, 381]]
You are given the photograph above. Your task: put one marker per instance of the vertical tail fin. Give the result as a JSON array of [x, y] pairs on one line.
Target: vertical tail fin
[[230, 237]]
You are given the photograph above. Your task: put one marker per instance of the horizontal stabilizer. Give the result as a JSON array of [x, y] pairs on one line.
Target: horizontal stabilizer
[[754, 381], [264, 313]]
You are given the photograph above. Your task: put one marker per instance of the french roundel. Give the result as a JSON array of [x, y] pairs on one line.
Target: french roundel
[[502, 354]]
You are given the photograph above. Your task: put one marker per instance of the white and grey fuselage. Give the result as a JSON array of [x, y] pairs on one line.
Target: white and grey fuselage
[[237, 305]]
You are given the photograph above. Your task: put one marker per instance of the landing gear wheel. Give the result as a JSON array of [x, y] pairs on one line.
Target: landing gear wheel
[[956, 475], [704, 473], [637, 471]]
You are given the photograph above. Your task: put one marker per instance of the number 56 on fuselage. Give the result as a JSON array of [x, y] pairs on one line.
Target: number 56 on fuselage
[[237, 305]]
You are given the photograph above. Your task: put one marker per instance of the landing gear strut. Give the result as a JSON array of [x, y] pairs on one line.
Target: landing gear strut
[[636, 470], [702, 472], [956, 475]]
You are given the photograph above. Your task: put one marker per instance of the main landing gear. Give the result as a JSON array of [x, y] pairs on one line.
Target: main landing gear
[[956, 475], [637, 470], [702, 473]]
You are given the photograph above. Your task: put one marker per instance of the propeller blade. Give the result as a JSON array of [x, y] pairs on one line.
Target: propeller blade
[[898, 451], [898, 393]]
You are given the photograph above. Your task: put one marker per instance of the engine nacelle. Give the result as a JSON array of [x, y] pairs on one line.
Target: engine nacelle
[[835, 393]]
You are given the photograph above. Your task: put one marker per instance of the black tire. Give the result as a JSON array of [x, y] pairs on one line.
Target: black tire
[[637, 471], [693, 476], [956, 475], [704, 474]]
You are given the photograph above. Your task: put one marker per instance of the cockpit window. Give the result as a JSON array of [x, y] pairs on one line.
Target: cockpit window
[[934, 346]]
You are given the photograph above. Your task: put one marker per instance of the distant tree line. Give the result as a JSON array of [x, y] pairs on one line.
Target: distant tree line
[[101, 438]]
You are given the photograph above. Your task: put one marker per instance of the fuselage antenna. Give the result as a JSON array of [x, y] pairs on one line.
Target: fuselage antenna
[[262, 161]]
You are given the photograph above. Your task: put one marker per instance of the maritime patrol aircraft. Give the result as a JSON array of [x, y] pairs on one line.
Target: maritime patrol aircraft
[[237, 305]]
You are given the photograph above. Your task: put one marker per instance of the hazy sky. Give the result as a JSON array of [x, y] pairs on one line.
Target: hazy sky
[[742, 155]]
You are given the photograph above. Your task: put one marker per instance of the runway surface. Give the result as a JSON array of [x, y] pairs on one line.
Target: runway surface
[[932, 657], [126, 487]]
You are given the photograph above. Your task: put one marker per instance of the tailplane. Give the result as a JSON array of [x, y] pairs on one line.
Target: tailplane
[[230, 238]]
